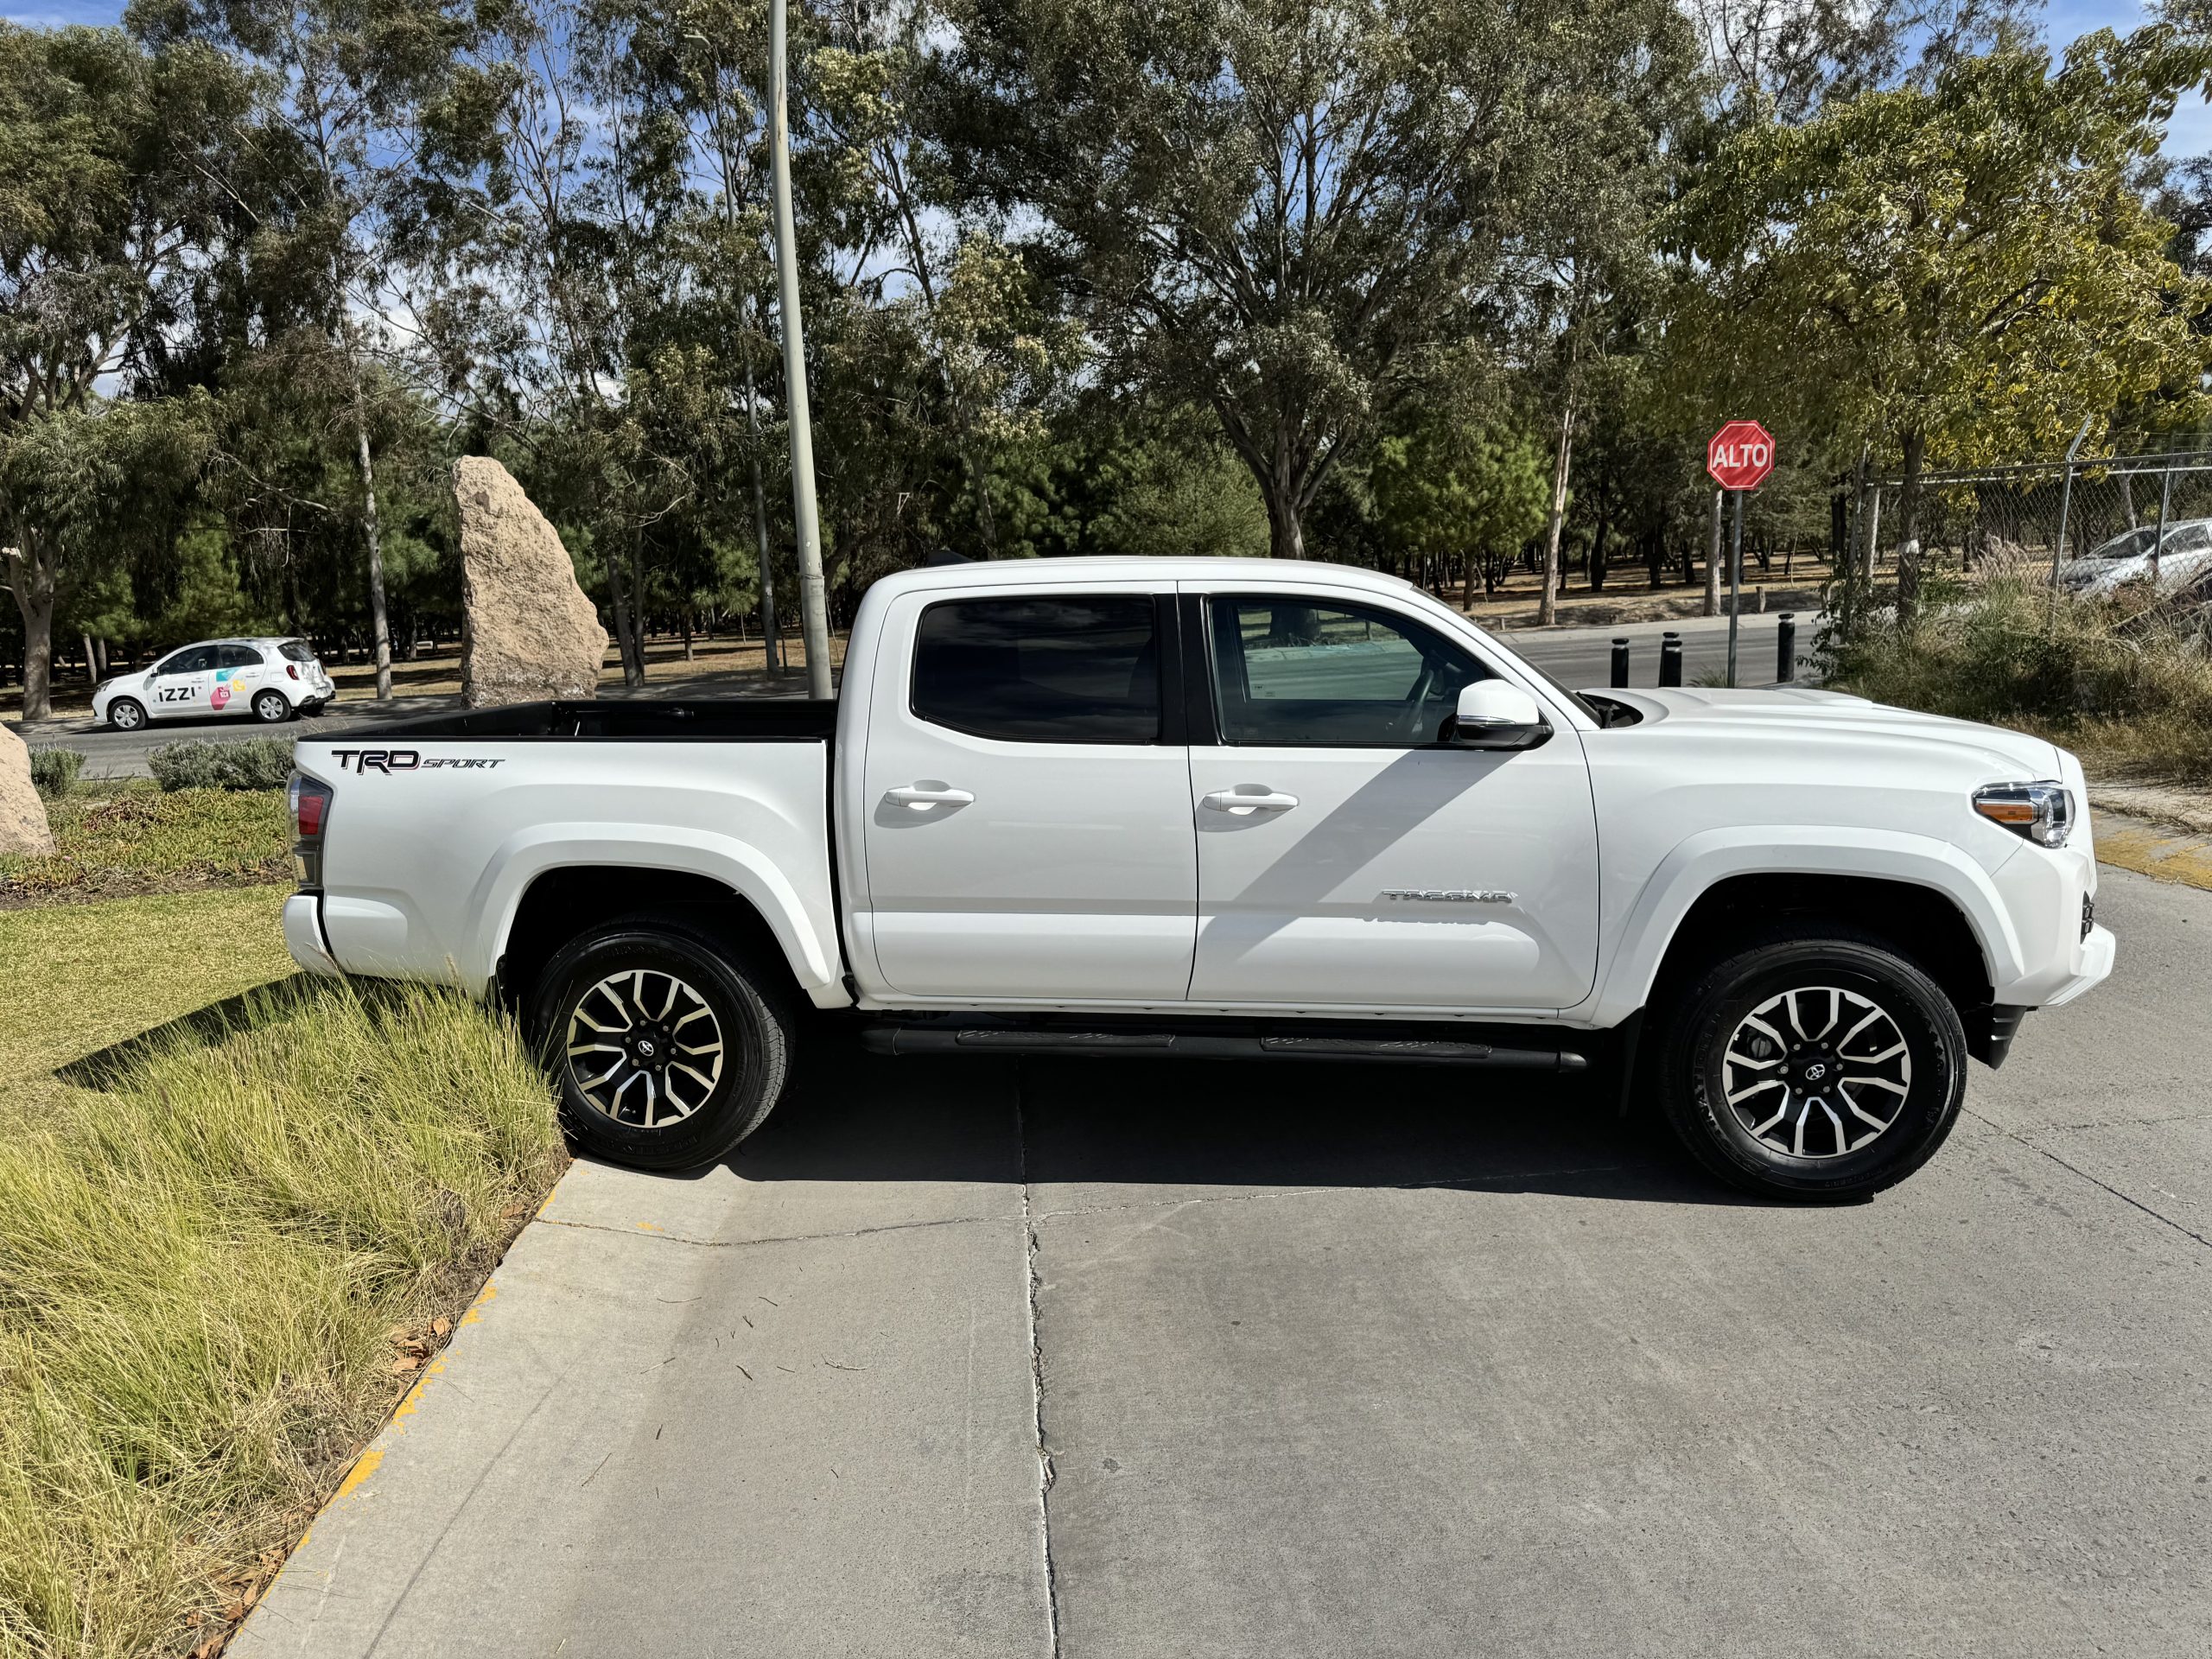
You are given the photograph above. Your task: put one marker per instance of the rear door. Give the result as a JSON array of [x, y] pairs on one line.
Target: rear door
[[238, 674], [1346, 858], [1027, 792]]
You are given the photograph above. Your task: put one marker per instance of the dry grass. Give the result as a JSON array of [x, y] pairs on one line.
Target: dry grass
[[2128, 689], [223, 1246], [116, 839]]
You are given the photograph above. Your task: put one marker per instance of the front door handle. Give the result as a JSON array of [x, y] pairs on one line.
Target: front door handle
[[922, 797], [1247, 798]]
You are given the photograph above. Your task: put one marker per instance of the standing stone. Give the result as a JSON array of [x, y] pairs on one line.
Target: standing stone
[[22, 815], [531, 633]]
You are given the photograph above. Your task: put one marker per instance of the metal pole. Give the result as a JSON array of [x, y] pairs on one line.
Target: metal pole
[[1785, 649], [2065, 510], [813, 596], [1620, 663], [1670, 658], [2166, 498], [1735, 582]]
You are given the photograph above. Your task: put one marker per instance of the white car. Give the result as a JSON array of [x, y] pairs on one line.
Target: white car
[[267, 680], [1256, 809], [2184, 552]]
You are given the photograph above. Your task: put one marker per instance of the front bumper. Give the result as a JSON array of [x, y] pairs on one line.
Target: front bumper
[[2093, 966]]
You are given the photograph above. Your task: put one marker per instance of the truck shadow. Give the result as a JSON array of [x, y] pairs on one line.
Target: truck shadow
[[851, 1116]]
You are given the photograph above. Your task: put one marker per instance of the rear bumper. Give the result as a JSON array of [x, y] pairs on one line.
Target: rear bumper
[[304, 934]]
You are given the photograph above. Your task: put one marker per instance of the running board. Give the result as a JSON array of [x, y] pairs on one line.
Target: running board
[[893, 1038]]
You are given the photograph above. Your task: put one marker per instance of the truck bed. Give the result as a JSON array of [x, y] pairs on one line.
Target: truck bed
[[754, 719]]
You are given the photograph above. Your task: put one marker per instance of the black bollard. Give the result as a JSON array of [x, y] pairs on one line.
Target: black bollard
[[1620, 663], [1785, 649], [1670, 659]]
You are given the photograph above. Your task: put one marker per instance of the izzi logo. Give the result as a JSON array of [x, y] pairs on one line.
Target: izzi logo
[[391, 760]]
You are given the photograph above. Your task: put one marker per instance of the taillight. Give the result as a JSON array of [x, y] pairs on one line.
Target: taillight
[[310, 802], [292, 669]]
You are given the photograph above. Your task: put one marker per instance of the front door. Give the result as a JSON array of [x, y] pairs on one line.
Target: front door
[[184, 685], [1347, 858], [1027, 803]]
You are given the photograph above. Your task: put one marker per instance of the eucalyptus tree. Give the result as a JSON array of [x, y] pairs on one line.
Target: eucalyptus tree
[[108, 225], [1287, 211]]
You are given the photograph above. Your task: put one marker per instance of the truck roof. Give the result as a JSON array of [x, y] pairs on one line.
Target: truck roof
[[998, 572]]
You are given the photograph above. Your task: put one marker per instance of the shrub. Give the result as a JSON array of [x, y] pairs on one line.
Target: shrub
[[53, 772], [255, 763]]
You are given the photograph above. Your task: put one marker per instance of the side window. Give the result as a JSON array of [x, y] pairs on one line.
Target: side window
[[192, 660], [2189, 538], [1292, 673], [1064, 668], [237, 657]]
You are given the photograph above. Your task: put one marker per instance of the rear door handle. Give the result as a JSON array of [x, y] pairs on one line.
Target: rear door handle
[[1247, 798], [921, 797]]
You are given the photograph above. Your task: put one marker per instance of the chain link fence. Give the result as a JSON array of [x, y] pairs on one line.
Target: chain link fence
[[2093, 526]]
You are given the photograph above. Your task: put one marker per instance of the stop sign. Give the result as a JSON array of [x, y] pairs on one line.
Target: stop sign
[[1740, 455]]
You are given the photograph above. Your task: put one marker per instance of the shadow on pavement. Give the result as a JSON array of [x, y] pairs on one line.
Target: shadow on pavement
[[852, 1117]]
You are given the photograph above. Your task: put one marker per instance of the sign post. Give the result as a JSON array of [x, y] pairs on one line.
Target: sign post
[[1739, 457]]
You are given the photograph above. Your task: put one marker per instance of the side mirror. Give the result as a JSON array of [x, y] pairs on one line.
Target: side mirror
[[1495, 714]]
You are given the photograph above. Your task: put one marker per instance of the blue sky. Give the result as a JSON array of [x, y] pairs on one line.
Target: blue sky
[[2190, 135]]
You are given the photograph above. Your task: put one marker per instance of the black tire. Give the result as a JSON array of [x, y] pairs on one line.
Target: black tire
[[1836, 1153], [126, 714], [752, 1019], [271, 708]]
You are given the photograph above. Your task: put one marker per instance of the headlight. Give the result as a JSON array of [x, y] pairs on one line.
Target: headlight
[[2043, 812]]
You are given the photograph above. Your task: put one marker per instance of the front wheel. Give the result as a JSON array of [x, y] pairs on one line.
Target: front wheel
[[1819, 1068], [270, 708], [668, 1049], [126, 714]]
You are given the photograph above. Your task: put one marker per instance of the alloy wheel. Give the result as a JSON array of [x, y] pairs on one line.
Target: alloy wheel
[[1817, 1071], [645, 1048]]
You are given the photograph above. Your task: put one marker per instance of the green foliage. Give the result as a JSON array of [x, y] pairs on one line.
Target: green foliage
[[1447, 492], [138, 837], [53, 772], [1169, 498], [250, 763]]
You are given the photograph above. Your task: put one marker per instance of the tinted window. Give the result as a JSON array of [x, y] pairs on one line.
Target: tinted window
[[1041, 670], [1291, 672], [297, 651], [193, 659], [237, 657], [2189, 538]]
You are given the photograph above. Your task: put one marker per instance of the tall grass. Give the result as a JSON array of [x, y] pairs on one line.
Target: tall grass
[[2127, 684], [206, 1248]]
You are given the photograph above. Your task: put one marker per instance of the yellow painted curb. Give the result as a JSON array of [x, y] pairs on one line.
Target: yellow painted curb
[[2149, 849]]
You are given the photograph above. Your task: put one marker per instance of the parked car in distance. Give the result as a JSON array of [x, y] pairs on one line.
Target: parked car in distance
[[2184, 551], [267, 680], [1259, 808]]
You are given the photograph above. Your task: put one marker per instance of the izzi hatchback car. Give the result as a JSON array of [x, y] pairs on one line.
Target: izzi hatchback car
[[269, 680]]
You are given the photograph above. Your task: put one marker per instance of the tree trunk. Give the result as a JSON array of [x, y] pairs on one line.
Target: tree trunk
[[1548, 598], [33, 582], [1712, 560], [1286, 536], [1467, 583], [379, 623], [624, 638], [771, 646], [1915, 451], [1598, 555]]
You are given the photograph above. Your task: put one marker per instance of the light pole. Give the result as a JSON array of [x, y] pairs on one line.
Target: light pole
[[813, 596]]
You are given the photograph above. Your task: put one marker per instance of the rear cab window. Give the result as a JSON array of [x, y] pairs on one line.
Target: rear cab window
[[1061, 668]]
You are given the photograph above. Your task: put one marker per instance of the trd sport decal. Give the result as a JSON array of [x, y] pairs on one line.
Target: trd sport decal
[[1449, 895], [391, 760]]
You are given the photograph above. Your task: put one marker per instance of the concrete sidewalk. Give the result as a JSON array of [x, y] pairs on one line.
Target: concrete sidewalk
[[1092, 1360]]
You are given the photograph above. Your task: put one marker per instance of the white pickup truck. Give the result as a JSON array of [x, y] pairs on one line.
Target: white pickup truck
[[1224, 808]]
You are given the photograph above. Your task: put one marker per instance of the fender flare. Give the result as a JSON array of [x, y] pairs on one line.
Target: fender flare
[[523, 857], [1703, 860]]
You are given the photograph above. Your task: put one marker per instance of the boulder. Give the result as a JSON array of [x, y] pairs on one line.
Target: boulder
[[531, 633], [22, 815]]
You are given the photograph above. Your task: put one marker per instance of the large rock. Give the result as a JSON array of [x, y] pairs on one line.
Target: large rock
[[22, 815], [531, 633]]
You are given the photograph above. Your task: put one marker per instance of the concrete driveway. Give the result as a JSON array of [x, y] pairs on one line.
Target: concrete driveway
[[1098, 1360]]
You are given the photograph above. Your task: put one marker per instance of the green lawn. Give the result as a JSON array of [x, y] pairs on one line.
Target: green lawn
[[224, 1247], [117, 839]]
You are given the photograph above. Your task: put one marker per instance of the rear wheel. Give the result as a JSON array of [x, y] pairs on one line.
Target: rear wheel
[[668, 1048], [126, 714], [1819, 1068], [271, 706]]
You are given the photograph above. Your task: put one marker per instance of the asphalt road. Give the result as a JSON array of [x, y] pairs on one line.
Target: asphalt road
[[1578, 656], [998, 1358]]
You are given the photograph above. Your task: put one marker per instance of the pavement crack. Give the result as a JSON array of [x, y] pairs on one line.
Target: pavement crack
[[2075, 1169], [1451, 1183], [690, 1243], [1045, 1473]]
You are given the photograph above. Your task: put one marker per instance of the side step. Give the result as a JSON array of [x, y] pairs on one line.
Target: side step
[[890, 1038]]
